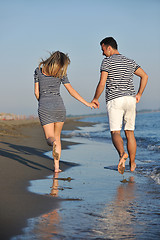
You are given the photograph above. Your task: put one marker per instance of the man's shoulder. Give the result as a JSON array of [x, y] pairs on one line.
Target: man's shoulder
[[124, 61], [127, 58], [117, 58], [106, 60]]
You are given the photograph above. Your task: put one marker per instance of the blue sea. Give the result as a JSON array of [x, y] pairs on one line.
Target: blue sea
[[98, 202]]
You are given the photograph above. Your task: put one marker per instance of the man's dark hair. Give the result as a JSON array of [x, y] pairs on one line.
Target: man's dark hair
[[109, 41]]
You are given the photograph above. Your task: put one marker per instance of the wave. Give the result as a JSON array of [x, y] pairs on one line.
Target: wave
[[149, 170], [152, 144], [98, 132], [96, 136], [155, 175], [103, 134]]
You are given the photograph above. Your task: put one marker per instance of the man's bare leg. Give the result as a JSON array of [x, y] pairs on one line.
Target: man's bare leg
[[131, 147], [118, 143]]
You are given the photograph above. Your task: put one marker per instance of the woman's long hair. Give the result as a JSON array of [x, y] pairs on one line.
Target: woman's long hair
[[56, 65]]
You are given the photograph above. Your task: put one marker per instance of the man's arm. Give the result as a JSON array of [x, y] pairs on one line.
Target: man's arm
[[143, 82], [100, 87]]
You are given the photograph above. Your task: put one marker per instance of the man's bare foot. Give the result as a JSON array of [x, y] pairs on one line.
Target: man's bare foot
[[55, 154], [121, 165], [132, 166]]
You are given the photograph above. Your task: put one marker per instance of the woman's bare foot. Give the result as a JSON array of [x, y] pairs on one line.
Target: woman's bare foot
[[56, 166], [121, 165], [57, 170], [132, 166]]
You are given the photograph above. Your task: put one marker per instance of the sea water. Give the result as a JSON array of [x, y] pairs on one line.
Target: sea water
[[99, 203], [147, 133]]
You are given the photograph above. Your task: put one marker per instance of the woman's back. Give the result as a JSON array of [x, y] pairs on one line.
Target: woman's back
[[48, 85]]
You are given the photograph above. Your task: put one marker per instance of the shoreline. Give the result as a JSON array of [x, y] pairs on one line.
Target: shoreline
[[22, 160], [98, 193]]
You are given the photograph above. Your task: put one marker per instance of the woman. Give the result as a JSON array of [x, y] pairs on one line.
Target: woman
[[51, 110]]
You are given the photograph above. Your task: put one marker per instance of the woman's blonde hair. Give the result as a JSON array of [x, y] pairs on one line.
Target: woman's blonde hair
[[56, 65]]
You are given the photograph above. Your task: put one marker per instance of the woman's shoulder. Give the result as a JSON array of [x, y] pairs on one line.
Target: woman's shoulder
[[37, 70]]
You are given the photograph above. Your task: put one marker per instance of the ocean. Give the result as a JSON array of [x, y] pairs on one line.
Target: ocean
[[98, 202]]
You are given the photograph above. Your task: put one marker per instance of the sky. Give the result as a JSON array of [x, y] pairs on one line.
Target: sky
[[30, 29]]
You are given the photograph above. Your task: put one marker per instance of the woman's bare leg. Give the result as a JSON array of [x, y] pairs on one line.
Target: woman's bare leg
[[49, 133], [52, 133], [57, 134]]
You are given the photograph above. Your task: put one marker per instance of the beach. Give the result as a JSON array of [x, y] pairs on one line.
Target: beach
[[89, 199], [22, 147]]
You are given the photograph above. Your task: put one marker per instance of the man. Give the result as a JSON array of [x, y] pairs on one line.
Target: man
[[117, 73]]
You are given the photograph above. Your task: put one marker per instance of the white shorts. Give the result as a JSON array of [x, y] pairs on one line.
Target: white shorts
[[121, 111]]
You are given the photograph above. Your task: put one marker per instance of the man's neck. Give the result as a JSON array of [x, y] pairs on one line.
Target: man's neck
[[115, 51]]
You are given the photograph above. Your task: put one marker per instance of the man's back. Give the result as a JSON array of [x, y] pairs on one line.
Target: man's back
[[120, 76]]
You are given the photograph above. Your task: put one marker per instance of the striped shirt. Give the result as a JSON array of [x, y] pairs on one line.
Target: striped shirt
[[120, 76]]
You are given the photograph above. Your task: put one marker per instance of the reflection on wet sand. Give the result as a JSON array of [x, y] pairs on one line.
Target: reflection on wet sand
[[118, 216], [48, 224]]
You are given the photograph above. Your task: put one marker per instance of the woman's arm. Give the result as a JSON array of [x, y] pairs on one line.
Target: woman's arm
[[76, 95], [36, 90]]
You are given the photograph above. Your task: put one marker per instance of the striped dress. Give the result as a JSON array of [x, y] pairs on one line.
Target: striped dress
[[120, 76], [50, 106]]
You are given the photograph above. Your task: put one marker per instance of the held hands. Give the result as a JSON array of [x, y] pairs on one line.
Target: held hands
[[96, 102], [92, 105]]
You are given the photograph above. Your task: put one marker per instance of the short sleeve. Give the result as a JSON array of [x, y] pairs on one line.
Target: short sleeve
[[65, 80], [136, 66], [36, 79], [105, 65]]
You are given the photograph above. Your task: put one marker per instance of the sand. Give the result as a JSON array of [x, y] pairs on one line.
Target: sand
[[22, 147], [89, 201]]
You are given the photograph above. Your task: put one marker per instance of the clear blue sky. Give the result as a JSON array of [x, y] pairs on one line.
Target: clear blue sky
[[31, 28]]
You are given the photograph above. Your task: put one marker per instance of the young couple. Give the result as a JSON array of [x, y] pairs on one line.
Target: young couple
[[117, 73]]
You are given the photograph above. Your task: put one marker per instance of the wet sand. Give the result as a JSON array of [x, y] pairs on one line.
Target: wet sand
[[22, 147], [99, 203]]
